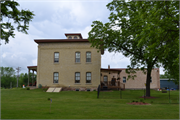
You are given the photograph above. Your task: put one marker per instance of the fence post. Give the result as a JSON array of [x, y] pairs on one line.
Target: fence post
[[98, 91]]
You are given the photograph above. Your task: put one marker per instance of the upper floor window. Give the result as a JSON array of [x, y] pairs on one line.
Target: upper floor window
[[75, 37], [69, 37], [124, 79], [88, 77], [77, 57], [56, 57], [56, 77], [77, 77], [88, 56]]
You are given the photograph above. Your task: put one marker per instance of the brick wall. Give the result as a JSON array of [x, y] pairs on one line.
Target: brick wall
[[67, 66]]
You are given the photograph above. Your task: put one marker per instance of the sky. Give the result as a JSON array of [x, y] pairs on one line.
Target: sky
[[54, 18]]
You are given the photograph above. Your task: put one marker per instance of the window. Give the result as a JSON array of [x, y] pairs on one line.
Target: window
[[69, 37], [88, 56], [77, 57], [88, 77], [56, 57], [75, 37], [56, 77], [77, 77], [124, 79], [150, 79], [105, 78]]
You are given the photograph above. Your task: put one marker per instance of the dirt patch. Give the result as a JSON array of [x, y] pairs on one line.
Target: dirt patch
[[148, 97], [139, 103]]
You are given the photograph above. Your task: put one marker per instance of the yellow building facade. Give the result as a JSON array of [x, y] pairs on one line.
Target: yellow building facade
[[68, 62]]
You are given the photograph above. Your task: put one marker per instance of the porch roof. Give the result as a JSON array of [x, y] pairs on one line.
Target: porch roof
[[34, 68]]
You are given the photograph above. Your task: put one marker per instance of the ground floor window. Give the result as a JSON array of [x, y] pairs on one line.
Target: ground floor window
[[77, 77], [88, 77], [105, 78], [124, 79], [56, 77]]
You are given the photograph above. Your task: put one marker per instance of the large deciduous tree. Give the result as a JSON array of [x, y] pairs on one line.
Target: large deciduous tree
[[11, 16], [145, 31]]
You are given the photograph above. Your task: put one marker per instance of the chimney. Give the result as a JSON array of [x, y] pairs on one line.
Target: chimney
[[108, 66]]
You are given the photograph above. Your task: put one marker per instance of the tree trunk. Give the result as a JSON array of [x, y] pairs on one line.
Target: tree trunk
[[148, 81]]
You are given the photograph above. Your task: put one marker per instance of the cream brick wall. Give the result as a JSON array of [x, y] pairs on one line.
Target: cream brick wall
[[140, 80], [67, 66]]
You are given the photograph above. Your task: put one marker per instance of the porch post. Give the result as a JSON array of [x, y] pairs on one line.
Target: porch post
[[28, 76], [109, 78], [32, 77]]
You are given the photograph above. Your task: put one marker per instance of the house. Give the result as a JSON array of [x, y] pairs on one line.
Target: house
[[138, 82], [72, 63]]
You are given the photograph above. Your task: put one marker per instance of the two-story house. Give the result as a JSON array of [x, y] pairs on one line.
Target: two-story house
[[73, 63], [68, 62]]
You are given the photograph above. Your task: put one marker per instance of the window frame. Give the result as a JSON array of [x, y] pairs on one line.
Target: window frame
[[56, 76], [123, 80], [77, 76], [90, 57], [88, 76], [56, 58], [104, 77], [79, 58]]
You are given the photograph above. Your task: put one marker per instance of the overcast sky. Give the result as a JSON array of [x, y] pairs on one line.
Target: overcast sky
[[54, 18]]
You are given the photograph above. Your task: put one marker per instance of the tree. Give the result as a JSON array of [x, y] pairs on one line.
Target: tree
[[8, 76], [145, 31], [9, 14], [23, 79]]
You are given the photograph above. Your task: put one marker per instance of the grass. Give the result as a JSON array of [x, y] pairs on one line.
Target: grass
[[34, 104]]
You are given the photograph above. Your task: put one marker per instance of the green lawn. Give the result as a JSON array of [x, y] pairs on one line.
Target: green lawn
[[34, 104]]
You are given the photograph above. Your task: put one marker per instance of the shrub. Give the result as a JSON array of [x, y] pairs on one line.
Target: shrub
[[133, 101], [48, 98], [151, 101], [136, 101], [141, 100], [28, 88], [39, 86], [45, 89]]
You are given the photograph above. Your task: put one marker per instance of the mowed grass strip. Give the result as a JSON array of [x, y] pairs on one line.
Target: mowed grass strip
[[34, 104]]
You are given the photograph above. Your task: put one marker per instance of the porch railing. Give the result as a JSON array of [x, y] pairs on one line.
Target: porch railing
[[112, 84]]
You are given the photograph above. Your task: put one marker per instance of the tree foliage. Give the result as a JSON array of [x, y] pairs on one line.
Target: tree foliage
[[8, 76], [145, 31], [11, 16]]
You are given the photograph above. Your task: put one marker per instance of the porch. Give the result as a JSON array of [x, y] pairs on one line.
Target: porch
[[33, 69], [112, 85], [110, 79]]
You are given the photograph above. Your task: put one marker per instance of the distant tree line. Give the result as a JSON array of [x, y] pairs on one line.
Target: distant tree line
[[9, 76]]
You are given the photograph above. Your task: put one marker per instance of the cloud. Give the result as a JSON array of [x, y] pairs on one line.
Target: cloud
[[115, 60], [52, 19], [19, 51]]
